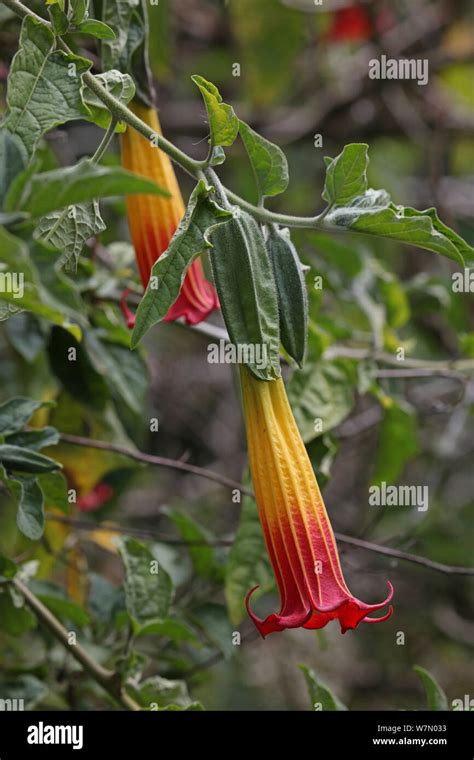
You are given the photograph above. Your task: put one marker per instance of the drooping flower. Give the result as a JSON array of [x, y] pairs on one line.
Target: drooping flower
[[153, 220], [297, 531]]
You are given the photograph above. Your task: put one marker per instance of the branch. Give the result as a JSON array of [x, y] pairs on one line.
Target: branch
[[140, 456], [152, 535], [108, 679]]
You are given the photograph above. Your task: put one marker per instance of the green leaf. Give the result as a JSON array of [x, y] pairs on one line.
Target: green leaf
[[397, 443], [321, 696], [124, 372], [14, 620], [191, 238], [325, 392], [128, 51], [15, 413], [96, 29], [223, 123], [268, 162], [36, 298], [69, 229], [247, 293], [59, 19], [202, 555], [374, 214], [157, 692], [8, 568], [56, 600], [437, 699], [25, 460], [79, 10], [43, 86], [12, 162], [148, 587], [248, 564], [30, 515], [346, 175], [34, 439], [121, 86], [292, 294], [27, 335], [54, 487], [213, 621], [170, 628], [23, 686], [83, 182]]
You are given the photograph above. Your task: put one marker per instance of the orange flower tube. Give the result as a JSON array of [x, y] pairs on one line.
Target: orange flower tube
[[298, 534], [153, 220]]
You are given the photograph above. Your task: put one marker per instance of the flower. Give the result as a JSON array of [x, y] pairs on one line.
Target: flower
[[297, 531], [153, 220]]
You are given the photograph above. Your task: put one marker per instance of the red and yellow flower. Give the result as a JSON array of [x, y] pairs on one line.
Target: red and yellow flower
[[153, 219], [298, 534]]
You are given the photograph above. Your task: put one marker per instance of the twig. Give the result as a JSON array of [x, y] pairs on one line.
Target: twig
[[140, 456], [108, 679], [342, 537]]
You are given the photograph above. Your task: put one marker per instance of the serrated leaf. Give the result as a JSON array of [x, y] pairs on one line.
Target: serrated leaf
[[374, 214], [223, 123], [268, 162], [247, 292], [69, 229], [292, 293], [248, 564], [322, 391], [85, 181], [96, 28], [15, 413], [43, 86], [437, 699], [121, 86], [192, 238], [346, 175], [128, 51], [147, 593], [321, 696]]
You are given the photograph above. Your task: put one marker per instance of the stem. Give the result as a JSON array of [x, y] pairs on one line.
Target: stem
[[108, 679], [105, 142], [190, 165]]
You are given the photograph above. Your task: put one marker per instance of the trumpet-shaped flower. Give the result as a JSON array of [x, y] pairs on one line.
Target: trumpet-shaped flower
[[153, 220], [298, 534]]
